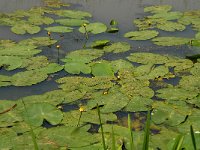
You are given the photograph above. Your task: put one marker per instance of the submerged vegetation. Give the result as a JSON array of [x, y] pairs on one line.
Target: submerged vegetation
[[97, 89]]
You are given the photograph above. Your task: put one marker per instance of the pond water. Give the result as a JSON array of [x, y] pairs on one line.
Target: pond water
[[124, 12]]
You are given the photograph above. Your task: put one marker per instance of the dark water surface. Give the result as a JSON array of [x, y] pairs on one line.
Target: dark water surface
[[124, 11]]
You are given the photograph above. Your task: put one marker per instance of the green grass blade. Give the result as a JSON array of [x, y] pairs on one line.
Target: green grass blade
[[131, 133], [31, 131], [193, 137], [178, 142], [101, 126], [147, 132], [113, 140]]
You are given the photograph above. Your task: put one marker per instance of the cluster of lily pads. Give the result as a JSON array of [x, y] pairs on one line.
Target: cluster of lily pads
[[137, 83], [164, 19]]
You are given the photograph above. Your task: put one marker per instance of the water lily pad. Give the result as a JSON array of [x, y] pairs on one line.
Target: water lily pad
[[175, 94], [73, 137], [71, 22], [7, 43], [51, 68], [25, 51], [167, 15], [99, 43], [113, 101], [141, 35], [39, 20], [10, 62], [171, 114], [138, 104], [59, 29], [76, 67], [158, 8], [94, 28], [196, 69], [113, 30], [170, 41], [55, 3], [28, 78], [121, 64], [76, 14], [38, 41], [36, 113], [118, 47], [25, 27], [170, 26], [147, 58], [71, 118], [102, 69]]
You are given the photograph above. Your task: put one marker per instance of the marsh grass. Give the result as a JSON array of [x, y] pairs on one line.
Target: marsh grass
[[36, 147], [147, 132], [131, 133], [101, 127], [178, 142], [193, 138]]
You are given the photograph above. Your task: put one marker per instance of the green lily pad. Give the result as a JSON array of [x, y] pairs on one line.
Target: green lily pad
[[71, 22], [7, 43], [113, 30], [171, 114], [138, 104], [10, 62], [94, 28], [36, 113], [141, 35], [71, 118], [76, 14], [168, 15], [38, 41], [28, 78], [59, 29], [25, 27], [102, 69], [118, 47], [55, 3], [147, 58], [170, 26], [175, 94], [196, 69], [99, 43], [158, 8], [113, 101], [121, 64], [51, 68], [19, 50], [197, 36], [73, 137], [35, 62], [5, 80], [39, 20], [77, 67], [170, 41]]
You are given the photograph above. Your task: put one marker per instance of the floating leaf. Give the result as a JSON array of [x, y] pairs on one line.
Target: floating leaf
[[71, 22], [38, 41], [158, 8], [147, 58], [24, 27], [39, 20], [118, 47], [36, 113], [55, 3], [94, 28], [196, 69], [141, 35], [28, 78], [51, 68], [59, 29], [171, 114], [10, 62], [121, 64], [102, 69], [175, 94], [99, 43], [77, 67], [73, 137], [5, 80], [167, 15], [170, 26], [170, 41], [112, 30], [138, 104]]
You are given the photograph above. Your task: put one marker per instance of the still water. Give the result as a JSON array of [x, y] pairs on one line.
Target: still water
[[123, 11]]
